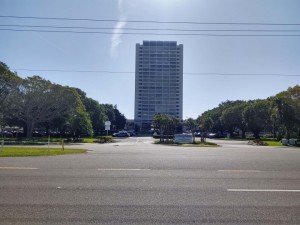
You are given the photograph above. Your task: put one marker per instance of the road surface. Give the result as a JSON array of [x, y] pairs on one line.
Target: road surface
[[135, 181]]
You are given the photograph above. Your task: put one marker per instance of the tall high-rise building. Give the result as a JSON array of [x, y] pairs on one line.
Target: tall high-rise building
[[158, 81]]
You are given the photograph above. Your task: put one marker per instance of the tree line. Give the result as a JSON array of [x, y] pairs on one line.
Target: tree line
[[34, 103], [279, 114]]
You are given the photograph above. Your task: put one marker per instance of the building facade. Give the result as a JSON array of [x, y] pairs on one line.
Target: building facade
[[158, 81]]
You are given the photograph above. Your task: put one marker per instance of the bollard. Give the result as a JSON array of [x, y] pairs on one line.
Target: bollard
[[63, 144]]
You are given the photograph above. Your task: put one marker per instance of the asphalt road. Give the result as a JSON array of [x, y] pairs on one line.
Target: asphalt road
[[136, 182]]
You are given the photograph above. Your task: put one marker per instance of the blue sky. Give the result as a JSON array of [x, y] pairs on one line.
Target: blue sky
[[116, 52]]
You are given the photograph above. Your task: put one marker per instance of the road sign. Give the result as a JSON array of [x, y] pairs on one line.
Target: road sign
[[107, 126]]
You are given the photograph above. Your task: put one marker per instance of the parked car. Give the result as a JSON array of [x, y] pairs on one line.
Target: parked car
[[215, 135], [131, 133], [197, 134], [121, 134]]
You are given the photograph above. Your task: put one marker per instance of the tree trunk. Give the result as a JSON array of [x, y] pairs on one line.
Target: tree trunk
[[29, 129], [231, 133], [256, 134], [274, 133], [160, 135], [288, 134], [243, 134]]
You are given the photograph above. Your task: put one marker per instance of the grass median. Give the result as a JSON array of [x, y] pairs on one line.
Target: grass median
[[273, 143], [27, 151]]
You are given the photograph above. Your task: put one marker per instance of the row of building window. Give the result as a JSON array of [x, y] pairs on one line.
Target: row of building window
[[148, 65], [166, 52], [154, 78], [153, 67], [158, 62], [153, 111], [154, 101], [158, 85], [160, 95], [159, 48], [149, 92], [157, 59], [158, 75], [145, 88], [159, 79], [166, 90], [158, 82], [149, 116], [159, 71], [150, 106], [159, 43], [167, 71], [158, 55]]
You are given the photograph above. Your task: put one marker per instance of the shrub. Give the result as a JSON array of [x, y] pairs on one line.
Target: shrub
[[163, 136], [104, 139], [257, 142]]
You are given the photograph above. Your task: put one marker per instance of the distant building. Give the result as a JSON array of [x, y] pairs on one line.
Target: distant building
[[158, 81], [129, 125]]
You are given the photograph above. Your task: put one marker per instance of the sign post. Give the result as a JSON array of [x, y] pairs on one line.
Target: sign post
[[107, 127], [2, 145], [48, 142]]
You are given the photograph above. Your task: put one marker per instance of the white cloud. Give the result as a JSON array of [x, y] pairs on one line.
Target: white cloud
[[116, 38]]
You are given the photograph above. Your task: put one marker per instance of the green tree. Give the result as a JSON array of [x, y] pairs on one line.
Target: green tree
[[120, 118], [232, 118], [99, 113], [173, 125], [165, 124], [37, 100], [192, 125], [96, 113], [256, 116], [79, 122], [8, 83], [210, 120], [160, 122], [117, 119], [286, 111]]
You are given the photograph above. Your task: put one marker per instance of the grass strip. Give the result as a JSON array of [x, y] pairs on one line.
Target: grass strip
[[89, 140], [24, 151], [273, 143]]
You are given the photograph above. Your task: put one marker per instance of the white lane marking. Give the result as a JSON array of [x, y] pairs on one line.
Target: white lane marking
[[111, 169], [261, 190], [241, 171], [18, 168]]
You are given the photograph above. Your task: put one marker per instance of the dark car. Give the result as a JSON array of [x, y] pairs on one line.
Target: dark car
[[197, 134], [121, 134], [215, 135], [131, 133]]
